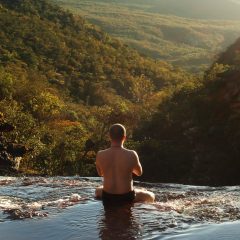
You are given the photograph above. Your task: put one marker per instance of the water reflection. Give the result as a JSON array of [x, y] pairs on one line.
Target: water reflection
[[119, 222]]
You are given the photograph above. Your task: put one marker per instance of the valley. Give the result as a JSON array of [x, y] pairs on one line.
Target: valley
[[172, 31]]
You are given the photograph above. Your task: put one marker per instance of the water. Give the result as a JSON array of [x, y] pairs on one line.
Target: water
[[64, 208]]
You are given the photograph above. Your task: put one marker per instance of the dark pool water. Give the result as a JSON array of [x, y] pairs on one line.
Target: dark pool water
[[64, 208]]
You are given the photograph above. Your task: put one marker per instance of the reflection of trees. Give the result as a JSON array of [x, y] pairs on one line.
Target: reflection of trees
[[118, 223]]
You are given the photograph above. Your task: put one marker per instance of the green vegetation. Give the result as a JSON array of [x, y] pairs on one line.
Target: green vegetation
[[63, 82], [155, 31], [195, 135]]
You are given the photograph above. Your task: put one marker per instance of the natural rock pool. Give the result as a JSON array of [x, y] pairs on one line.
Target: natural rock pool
[[62, 208]]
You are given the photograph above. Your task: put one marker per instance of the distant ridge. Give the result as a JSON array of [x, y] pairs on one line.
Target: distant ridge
[[202, 9]]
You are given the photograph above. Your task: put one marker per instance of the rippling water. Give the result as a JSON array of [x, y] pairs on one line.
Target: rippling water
[[65, 208]]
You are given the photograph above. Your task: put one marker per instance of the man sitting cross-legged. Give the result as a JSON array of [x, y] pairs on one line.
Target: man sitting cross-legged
[[117, 165]]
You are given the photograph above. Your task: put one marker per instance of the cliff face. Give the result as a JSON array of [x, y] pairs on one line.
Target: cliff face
[[232, 55]]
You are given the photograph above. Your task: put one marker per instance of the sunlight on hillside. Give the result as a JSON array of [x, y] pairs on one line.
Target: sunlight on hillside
[[153, 28]]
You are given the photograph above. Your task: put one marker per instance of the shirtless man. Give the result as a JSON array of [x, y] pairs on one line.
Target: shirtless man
[[117, 165]]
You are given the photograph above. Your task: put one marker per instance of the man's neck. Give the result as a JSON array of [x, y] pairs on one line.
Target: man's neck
[[117, 145]]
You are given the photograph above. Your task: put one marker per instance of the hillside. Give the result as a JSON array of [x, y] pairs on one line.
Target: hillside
[[73, 54], [177, 38], [195, 135], [63, 82]]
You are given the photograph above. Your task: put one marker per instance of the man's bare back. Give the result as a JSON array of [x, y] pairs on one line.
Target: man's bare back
[[117, 165]]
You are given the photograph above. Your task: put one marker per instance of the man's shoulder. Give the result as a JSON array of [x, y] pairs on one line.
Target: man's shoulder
[[109, 150], [131, 152], [104, 151]]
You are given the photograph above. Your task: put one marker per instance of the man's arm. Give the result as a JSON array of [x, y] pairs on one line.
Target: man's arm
[[98, 167], [137, 169]]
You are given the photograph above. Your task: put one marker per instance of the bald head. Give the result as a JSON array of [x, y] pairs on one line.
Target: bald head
[[117, 132]]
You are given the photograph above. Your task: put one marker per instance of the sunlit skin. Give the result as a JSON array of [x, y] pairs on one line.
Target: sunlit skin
[[117, 165]]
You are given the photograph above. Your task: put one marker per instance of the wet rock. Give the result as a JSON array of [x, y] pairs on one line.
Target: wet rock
[[173, 224], [16, 214], [5, 182], [75, 198]]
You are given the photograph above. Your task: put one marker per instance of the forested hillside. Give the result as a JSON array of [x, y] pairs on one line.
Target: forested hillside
[[167, 30], [195, 136], [63, 82]]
